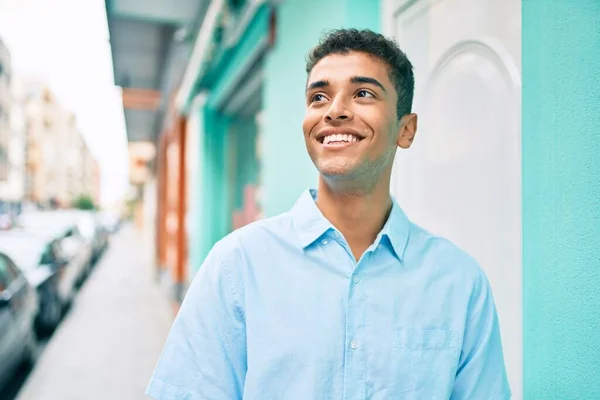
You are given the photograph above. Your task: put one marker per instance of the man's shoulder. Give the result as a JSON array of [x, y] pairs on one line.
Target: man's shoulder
[[443, 254], [258, 234], [249, 246]]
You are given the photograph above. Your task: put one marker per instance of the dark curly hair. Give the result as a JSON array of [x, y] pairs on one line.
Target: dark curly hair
[[342, 41]]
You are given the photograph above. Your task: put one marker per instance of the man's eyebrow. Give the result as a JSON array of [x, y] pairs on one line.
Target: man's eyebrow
[[317, 84], [366, 79], [354, 79]]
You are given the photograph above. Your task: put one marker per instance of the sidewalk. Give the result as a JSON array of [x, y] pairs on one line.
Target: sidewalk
[[109, 343]]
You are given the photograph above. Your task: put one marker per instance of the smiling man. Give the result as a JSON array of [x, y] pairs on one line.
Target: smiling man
[[342, 297]]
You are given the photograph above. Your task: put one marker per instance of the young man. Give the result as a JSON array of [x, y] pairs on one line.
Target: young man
[[342, 297]]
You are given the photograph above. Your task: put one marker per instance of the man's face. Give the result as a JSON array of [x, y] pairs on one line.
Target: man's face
[[351, 127]]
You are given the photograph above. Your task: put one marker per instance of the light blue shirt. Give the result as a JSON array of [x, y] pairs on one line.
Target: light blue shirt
[[280, 310]]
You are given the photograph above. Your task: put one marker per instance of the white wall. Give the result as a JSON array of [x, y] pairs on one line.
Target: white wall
[[462, 177]]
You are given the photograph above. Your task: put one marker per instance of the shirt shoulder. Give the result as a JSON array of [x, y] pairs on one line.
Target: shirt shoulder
[[442, 255], [255, 238]]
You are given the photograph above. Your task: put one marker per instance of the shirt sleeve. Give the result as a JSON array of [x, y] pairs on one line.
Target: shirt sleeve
[[481, 371], [205, 353]]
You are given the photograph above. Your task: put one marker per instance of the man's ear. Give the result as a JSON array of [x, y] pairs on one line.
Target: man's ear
[[408, 130]]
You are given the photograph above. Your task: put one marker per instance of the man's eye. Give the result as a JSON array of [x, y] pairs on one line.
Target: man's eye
[[364, 93], [317, 97]]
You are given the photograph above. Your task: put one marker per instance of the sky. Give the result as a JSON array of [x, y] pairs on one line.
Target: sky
[[66, 43]]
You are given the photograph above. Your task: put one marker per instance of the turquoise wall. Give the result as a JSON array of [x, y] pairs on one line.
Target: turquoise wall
[[195, 187], [245, 166], [213, 215], [220, 188], [561, 199], [286, 167]]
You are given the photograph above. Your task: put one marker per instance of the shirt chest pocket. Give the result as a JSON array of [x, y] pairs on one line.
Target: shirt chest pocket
[[424, 362]]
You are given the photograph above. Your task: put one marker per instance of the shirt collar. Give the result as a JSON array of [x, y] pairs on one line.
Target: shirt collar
[[396, 229], [310, 224]]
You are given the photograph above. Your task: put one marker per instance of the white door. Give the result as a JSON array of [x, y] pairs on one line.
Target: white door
[[462, 177]]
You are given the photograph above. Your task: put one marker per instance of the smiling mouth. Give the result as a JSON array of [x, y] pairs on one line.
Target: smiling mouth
[[339, 139]]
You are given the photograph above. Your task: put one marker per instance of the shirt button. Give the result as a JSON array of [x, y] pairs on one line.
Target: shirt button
[[354, 345], [324, 241], [356, 279]]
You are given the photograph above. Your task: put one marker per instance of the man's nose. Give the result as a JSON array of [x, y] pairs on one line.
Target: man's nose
[[338, 110]]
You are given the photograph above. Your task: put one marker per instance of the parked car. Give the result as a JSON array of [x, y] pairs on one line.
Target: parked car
[[92, 231], [38, 257], [110, 221], [75, 250], [18, 310]]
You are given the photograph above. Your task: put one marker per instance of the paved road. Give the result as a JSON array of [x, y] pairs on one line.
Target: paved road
[[110, 341]]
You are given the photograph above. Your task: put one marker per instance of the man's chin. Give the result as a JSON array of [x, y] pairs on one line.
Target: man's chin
[[336, 172], [339, 169]]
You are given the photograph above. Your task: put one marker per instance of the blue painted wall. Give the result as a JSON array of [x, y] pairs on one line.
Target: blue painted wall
[[561, 199]]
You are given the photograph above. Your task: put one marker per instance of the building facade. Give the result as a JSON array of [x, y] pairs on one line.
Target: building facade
[[91, 176], [60, 166], [5, 106], [12, 140]]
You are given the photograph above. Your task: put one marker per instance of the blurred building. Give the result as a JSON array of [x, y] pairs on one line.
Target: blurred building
[[91, 177], [60, 166], [5, 105], [141, 155], [12, 145], [83, 173], [218, 88]]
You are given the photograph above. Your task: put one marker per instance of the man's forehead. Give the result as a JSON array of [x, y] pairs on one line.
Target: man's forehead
[[343, 66]]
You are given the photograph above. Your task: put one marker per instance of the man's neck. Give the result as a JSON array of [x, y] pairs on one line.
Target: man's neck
[[359, 217]]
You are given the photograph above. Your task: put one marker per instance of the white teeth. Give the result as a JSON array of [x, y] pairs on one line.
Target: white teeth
[[343, 138]]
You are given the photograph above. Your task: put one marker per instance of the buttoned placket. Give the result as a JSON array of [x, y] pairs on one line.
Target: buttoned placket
[[356, 343]]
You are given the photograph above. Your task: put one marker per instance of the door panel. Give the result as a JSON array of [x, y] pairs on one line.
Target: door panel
[[462, 177]]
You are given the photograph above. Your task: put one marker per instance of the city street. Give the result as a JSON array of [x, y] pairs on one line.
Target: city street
[[107, 346]]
